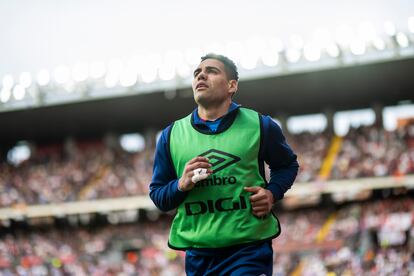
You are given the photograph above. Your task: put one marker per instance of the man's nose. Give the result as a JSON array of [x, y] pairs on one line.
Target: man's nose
[[201, 76]]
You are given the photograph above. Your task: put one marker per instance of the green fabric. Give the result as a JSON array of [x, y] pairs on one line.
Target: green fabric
[[217, 212]]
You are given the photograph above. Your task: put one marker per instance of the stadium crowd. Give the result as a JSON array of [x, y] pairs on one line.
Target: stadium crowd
[[346, 240], [94, 170]]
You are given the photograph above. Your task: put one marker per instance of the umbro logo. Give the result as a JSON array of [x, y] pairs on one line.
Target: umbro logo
[[220, 159]]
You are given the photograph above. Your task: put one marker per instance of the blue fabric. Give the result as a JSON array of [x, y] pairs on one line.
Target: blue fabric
[[212, 125], [275, 152], [248, 260]]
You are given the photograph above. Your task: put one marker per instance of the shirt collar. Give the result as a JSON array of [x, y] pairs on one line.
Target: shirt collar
[[197, 120]]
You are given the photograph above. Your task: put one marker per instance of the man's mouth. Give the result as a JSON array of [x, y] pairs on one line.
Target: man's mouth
[[201, 85]]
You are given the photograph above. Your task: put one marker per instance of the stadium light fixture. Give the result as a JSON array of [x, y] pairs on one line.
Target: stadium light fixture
[[168, 67], [357, 46], [5, 95], [25, 79], [333, 50], [114, 70], [43, 77], [182, 67], [344, 35], [19, 92], [411, 24], [111, 80], [132, 142], [80, 71], [151, 65], [293, 55], [19, 153], [97, 69], [379, 43], [249, 61], [389, 28], [402, 40], [115, 66], [128, 77], [311, 52], [62, 74], [270, 58], [8, 81]]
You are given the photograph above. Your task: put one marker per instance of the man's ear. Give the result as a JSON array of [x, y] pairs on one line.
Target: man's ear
[[233, 86]]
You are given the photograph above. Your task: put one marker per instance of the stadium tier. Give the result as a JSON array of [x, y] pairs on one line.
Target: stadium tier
[[369, 238], [95, 170]]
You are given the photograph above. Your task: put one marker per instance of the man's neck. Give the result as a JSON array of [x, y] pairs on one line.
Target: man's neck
[[212, 113]]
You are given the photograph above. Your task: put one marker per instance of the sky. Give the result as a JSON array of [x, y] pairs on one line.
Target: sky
[[42, 34]]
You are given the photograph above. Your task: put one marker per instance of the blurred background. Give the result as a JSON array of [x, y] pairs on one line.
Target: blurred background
[[87, 86]]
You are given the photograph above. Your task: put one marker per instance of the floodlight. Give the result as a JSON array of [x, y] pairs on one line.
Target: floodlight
[[133, 142], [19, 92], [80, 71], [402, 40], [311, 52], [43, 77], [97, 69], [333, 50], [25, 79], [5, 95], [379, 43], [8, 81], [390, 28], [270, 58], [293, 55], [128, 77], [249, 61], [115, 66], [152, 63], [62, 74], [357, 46], [167, 69], [111, 80]]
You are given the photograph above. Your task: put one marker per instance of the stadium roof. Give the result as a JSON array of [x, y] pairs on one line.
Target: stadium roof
[[386, 83]]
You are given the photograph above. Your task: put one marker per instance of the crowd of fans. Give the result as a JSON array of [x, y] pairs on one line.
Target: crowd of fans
[[82, 171], [346, 240], [85, 171], [372, 151]]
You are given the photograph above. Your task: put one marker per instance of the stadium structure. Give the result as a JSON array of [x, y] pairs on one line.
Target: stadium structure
[[79, 204]]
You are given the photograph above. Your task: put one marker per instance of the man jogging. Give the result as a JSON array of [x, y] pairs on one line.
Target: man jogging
[[210, 166]]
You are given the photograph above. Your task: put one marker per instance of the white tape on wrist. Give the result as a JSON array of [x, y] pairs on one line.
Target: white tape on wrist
[[199, 174]]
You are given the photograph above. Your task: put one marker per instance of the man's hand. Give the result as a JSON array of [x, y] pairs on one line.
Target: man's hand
[[261, 200], [185, 183]]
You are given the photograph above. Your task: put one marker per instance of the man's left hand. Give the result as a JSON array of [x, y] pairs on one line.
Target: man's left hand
[[261, 200]]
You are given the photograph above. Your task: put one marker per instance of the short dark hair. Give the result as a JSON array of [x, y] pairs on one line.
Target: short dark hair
[[229, 65]]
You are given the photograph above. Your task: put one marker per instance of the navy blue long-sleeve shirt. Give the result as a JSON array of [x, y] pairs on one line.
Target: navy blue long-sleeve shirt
[[275, 151]]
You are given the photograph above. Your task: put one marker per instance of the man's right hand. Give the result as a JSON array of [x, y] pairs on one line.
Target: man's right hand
[[185, 183]]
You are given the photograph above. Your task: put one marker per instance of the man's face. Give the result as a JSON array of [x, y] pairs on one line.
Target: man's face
[[211, 85]]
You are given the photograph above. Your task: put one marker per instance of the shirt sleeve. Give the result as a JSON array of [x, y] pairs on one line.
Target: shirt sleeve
[[164, 190], [281, 159]]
